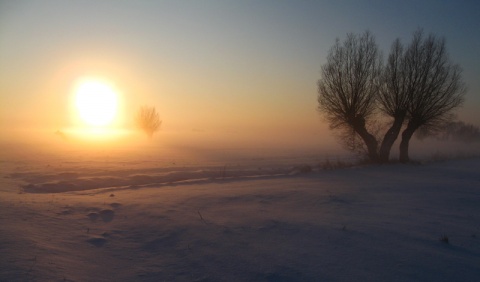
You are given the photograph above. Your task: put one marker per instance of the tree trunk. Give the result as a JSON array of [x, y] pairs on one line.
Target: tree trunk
[[371, 143], [406, 136], [369, 139], [390, 137]]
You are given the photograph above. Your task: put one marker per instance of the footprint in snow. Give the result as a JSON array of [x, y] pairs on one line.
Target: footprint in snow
[[105, 215], [97, 241], [93, 216], [115, 205]]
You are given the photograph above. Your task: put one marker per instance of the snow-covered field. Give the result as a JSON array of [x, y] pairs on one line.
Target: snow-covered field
[[117, 220]]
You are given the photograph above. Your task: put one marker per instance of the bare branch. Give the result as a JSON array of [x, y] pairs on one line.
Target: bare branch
[[436, 86], [349, 86]]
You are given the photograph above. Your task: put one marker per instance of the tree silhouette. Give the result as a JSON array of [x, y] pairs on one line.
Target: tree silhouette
[[393, 97], [436, 86], [148, 120], [349, 85], [418, 85]]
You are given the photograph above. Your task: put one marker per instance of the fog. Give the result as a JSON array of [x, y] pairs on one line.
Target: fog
[[130, 148]]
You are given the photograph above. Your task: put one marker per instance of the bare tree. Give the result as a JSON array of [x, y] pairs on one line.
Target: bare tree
[[437, 86], [148, 120], [349, 85], [399, 82]]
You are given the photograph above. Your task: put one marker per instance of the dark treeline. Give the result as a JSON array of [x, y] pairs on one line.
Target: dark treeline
[[454, 131]]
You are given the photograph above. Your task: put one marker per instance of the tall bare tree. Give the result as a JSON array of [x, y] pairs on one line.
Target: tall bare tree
[[399, 81], [349, 86], [394, 96], [148, 120], [437, 86]]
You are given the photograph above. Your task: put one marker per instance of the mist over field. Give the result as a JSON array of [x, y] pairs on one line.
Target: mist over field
[[239, 140]]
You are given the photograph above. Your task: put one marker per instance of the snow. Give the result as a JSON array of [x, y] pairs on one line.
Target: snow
[[243, 221]]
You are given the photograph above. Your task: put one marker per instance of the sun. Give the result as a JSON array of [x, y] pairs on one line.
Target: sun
[[96, 102]]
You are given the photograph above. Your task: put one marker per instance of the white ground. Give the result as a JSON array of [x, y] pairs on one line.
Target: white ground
[[239, 223]]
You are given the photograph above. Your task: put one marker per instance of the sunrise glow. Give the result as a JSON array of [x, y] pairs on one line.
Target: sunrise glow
[[96, 102]]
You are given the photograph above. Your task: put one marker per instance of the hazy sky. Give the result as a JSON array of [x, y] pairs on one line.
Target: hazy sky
[[207, 66]]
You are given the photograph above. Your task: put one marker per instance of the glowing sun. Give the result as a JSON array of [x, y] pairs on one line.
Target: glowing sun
[[96, 102]]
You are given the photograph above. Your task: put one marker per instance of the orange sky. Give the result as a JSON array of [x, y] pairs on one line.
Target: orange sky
[[210, 68]]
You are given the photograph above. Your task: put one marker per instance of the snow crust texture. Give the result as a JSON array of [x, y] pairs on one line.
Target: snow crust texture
[[373, 223]]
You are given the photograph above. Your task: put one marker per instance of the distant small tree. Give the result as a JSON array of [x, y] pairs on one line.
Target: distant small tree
[[148, 120], [348, 89]]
